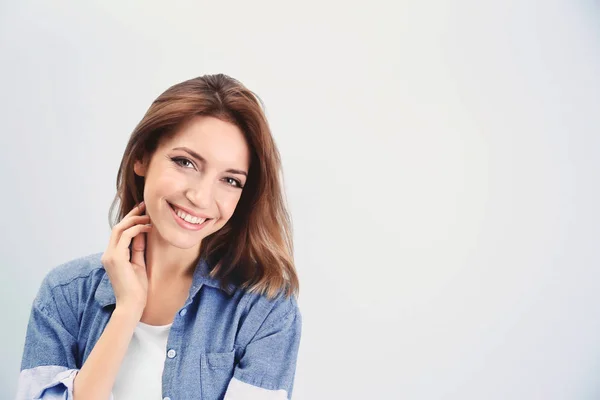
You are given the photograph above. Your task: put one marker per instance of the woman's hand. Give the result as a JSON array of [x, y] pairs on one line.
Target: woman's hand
[[128, 274]]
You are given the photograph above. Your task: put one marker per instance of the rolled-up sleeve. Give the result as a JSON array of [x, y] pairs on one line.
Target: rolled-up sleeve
[[49, 365], [267, 367]]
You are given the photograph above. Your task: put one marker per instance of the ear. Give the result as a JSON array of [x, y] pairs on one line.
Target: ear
[[140, 167]]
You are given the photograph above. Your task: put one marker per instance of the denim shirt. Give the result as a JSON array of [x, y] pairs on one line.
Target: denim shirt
[[217, 337]]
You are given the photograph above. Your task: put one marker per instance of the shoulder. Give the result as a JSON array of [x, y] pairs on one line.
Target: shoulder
[[76, 276], [264, 311], [280, 302], [81, 267]]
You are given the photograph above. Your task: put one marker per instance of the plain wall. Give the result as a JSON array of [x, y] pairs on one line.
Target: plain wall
[[440, 159]]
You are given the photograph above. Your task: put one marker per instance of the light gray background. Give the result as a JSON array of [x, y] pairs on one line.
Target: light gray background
[[441, 165]]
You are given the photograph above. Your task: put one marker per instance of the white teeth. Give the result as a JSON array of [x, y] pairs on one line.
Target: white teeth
[[189, 218]]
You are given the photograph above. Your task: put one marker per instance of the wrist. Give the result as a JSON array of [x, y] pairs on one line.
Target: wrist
[[128, 313]]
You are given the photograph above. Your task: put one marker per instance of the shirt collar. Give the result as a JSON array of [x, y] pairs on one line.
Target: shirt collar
[[106, 296]]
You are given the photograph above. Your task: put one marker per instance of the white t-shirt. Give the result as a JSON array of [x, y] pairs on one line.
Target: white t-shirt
[[140, 374]]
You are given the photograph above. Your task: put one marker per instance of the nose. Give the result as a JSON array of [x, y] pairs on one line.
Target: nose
[[201, 194]]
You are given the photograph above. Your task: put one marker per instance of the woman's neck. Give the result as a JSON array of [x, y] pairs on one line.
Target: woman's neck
[[165, 262], [170, 272]]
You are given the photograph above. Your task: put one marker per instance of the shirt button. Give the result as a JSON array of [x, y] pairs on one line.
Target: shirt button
[[183, 312], [166, 398], [171, 353]]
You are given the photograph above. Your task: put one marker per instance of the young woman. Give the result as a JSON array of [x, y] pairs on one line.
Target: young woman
[[195, 295]]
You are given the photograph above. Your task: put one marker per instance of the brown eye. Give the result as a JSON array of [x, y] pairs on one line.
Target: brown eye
[[234, 182], [181, 161]]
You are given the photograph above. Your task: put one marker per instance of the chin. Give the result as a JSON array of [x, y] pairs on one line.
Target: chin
[[184, 243], [179, 239]]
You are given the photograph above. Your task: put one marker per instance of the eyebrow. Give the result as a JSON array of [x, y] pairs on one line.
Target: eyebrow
[[203, 160]]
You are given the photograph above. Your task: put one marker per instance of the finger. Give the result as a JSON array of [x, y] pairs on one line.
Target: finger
[[118, 228], [128, 235], [136, 210], [131, 221], [126, 223], [138, 249]]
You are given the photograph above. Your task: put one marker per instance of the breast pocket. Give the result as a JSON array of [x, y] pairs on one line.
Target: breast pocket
[[216, 370]]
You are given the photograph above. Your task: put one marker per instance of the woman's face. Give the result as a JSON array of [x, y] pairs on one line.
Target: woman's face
[[197, 173]]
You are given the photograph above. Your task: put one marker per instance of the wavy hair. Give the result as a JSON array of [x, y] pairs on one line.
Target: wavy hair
[[254, 250]]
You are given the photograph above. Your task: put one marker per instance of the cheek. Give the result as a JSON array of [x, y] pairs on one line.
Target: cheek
[[156, 188], [166, 183]]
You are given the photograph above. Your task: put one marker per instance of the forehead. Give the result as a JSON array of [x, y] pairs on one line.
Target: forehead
[[221, 143]]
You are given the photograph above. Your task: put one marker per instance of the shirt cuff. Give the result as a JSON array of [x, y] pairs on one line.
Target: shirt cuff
[[238, 390]]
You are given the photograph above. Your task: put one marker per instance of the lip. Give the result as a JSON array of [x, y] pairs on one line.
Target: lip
[[188, 225], [189, 212]]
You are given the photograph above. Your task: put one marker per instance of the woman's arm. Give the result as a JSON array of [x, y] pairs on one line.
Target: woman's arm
[[97, 375], [126, 269], [49, 362], [266, 370]]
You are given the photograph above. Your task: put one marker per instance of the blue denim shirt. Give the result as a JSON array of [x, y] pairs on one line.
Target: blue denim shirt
[[216, 335]]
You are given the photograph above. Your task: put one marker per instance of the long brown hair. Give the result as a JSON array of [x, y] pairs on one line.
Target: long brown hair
[[254, 250]]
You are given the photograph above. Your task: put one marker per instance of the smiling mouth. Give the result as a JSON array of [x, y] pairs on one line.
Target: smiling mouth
[[187, 217]]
